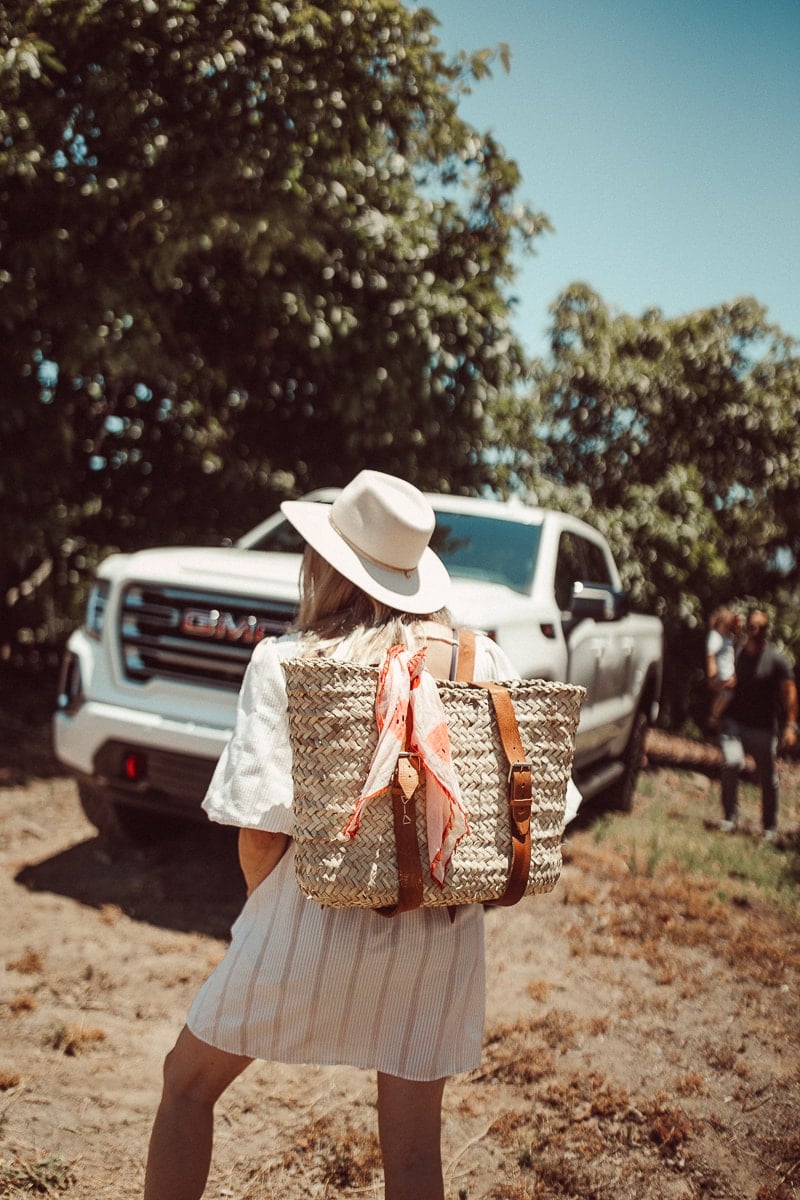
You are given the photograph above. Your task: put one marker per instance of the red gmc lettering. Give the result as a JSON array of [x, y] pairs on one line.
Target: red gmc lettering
[[211, 623]]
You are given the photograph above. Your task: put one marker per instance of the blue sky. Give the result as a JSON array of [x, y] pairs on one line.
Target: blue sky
[[661, 138]]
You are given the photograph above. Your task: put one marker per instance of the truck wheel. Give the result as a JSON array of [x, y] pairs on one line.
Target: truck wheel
[[620, 795], [117, 821]]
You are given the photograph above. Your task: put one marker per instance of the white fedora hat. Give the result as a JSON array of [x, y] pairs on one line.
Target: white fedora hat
[[376, 534]]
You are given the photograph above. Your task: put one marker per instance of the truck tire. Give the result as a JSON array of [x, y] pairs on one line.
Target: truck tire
[[620, 794], [118, 822]]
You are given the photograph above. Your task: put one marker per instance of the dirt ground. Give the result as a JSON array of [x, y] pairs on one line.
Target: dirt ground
[[643, 1036]]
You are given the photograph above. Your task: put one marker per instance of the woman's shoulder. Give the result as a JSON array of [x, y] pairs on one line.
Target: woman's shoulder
[[265, 661], [276, 649]]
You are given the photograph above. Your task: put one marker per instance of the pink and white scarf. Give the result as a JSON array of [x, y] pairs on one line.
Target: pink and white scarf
[[403, 682]]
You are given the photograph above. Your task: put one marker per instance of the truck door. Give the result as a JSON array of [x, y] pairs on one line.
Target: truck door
[[597, 656], [582, 646]]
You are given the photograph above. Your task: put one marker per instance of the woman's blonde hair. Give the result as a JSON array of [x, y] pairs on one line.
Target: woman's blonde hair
[[337, 617], [721, 618]]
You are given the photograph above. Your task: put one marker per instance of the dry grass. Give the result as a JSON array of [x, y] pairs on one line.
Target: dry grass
[[691, 1084], [687, 886], [24, 1003], [582, 1138], [345, 1159], [608, 1069], [44, 1177], [672, 832], [71, 1040], [29, 963], [660, 892]]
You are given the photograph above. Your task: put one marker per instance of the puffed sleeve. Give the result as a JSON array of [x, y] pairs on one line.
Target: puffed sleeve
[[492, 663], [252, 783]]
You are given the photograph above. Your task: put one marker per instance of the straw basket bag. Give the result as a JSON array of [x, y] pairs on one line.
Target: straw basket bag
[[513, 791]]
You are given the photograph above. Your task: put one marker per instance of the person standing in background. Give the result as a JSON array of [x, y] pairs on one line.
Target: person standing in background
[[765, 693]]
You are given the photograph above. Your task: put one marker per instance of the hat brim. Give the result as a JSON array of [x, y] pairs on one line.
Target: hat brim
[[424, 590]]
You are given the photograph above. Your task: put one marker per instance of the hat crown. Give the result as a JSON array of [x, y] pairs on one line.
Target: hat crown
[[385, 519], [376, 535]]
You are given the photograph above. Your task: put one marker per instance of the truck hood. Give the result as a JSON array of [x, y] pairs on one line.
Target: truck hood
[[275, 576], [253, 573], [482, 605]]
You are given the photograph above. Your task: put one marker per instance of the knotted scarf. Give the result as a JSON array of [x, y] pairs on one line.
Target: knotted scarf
[[403, 684]]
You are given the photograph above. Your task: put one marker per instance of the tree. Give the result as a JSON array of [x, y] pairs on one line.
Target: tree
[[246, 247], [682, 437]]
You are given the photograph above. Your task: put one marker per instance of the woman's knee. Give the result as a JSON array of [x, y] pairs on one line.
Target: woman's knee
[[199, 1073]]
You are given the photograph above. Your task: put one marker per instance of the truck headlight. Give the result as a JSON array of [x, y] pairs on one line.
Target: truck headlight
[[96, 607]]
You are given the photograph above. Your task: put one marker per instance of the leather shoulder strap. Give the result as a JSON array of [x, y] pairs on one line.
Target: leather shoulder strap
[[520, 794], [409, 859], [465, 668], [520, 778]]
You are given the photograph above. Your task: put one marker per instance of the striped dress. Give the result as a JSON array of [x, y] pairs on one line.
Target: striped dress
[[305, 984]]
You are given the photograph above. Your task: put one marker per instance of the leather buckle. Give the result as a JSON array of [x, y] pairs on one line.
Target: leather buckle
[[516, 769], [407, 776], [520, 797]]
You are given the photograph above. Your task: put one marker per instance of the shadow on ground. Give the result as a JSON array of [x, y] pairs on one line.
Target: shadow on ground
[[190, 882]]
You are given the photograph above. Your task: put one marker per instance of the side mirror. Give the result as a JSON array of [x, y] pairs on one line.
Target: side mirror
[[597, 602]]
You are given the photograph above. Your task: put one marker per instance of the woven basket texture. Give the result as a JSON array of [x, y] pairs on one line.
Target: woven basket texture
[[333, 736]]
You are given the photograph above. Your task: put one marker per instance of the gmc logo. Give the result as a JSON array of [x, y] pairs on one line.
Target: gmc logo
[[224, 626]]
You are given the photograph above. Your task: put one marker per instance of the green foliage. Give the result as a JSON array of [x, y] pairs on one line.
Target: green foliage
[[245, 248], [680, 438]]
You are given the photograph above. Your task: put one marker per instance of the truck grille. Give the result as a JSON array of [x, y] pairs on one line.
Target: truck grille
[[176, 633]]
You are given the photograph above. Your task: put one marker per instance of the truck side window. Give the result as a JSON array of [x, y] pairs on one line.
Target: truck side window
[[568, 569], [595, 567]]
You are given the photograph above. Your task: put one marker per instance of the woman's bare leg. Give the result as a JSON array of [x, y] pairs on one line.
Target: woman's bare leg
[[410, 1130], [195, 1076]]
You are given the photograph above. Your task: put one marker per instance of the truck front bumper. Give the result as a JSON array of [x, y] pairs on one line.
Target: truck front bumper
[[138, 752]]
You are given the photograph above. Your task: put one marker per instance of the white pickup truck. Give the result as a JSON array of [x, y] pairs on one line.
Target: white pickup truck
[[149, 682]]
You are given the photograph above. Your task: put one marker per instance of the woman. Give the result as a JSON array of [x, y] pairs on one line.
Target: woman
[[305, 984], [723, 629]]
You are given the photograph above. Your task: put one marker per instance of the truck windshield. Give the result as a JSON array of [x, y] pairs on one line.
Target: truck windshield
[[471, 546], [487, 548]]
